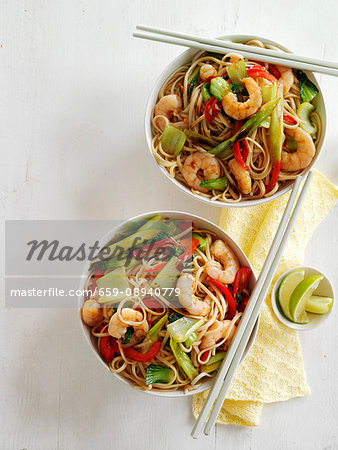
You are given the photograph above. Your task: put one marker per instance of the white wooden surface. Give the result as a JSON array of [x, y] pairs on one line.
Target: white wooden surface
[[74, 84]]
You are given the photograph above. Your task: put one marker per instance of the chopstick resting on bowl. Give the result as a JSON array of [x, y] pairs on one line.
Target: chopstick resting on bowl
[[248, 51], [217, 394]]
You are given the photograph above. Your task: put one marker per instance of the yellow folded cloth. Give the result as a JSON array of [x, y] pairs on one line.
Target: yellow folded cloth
[[273, 370]]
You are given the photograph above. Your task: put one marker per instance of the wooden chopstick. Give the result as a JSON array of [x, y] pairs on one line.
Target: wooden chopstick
[[227, 370], [256, 53]]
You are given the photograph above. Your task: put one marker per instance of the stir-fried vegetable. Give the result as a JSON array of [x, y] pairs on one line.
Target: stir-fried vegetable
[[206, 94], [219, 87], [191, 339], [127, 336], [153, 332], [183, 360], [159, 374], [223, 149], [276, 135], [218, 184], [143, 357], [237, 72], [214, 362], [193, 78], [167, 277], [228, 297], [173, 140], [290, 143], [182, 328], [202, 242], [112, 287], [236, 147], [241, 280], [108, 347], [304, 111], [261, 72], [212, 108], [307, 90], [199, 137], [189, 248]]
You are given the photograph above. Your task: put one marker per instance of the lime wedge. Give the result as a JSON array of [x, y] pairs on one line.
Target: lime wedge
[[319, 305], [286, 288], [301, 295]]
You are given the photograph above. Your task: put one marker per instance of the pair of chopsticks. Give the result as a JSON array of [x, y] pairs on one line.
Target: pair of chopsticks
[[248, 51], [217, 394]]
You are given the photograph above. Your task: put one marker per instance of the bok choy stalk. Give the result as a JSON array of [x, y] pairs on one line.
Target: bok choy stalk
[[191, 339], [219, 184], [183, 360], [214, 363], [223, 149], [199, 137], [153, 332], [219, 87], [159, 374], [276, 135], [237, 72], [307, 90], [182, 328], [172, 140]]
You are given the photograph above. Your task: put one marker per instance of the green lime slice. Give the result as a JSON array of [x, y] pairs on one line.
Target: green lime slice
[[286, 288], [301, 295], [319, 305]]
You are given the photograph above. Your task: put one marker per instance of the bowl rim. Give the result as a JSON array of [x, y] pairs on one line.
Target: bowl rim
[[170, 68], [206, 384], [298, 326]]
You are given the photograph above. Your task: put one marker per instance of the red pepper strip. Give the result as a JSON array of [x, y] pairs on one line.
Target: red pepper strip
[[260, 72], [182, 87], [210, 106], [241, 280], [237, 149], [289, 119], [189, 248], [245, 150], [205, 356], [274, 176], [98, 274], [151, 304], [108, 347], [243, 304], [207, 81], [143, 357], [228, 297], [274, 71]]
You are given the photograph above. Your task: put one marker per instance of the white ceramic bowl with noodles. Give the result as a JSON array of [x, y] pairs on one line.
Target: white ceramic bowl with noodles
[[185, 58], [200, 223]]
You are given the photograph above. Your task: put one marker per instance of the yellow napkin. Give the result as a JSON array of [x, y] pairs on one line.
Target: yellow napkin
[[273, 370]]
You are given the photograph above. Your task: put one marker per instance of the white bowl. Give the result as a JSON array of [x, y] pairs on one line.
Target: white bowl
[[199, 222], [185, 58], [324, 289]]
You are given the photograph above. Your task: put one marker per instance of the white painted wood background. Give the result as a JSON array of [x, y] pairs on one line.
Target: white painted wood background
[[74, 85]]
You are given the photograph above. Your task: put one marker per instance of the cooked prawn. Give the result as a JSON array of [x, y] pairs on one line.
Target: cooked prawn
[[286, 77], [165, 108], [226, 256], [304, 154], [242, 110], [242, 176], [220, 329], [130, 318], [206, 71], [92, 312], [186, 285], [200, 161]]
